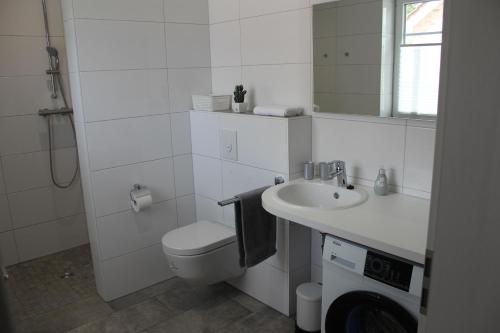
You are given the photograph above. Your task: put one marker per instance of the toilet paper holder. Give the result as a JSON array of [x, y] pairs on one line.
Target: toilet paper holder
[[136, 188]]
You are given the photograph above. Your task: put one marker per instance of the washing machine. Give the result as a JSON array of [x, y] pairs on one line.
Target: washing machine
[[366, 291]]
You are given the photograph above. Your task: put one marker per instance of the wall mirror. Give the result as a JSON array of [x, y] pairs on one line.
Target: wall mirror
[[377, 57]]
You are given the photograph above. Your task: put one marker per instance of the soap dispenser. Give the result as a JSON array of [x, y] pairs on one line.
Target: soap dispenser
[[381, 187]]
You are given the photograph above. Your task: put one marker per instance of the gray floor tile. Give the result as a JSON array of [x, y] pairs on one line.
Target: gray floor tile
[[265, 321], [249, 302], [204, 319], [43, 302], [181, 296], [141, 295], [69, 317], [136, 318]]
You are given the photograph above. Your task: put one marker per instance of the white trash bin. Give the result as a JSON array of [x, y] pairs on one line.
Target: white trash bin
[[308, 307]]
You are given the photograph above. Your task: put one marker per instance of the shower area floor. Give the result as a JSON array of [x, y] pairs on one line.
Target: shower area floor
[[44, 299]]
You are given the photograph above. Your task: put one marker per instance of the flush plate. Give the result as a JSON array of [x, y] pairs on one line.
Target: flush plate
[[229, 144]]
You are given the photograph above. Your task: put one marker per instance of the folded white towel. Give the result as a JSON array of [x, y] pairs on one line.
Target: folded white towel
[[278, 110]]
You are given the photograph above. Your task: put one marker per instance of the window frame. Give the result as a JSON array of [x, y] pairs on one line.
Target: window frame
[[399, 32]]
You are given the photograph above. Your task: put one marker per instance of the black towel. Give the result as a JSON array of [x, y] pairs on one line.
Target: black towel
[[255, 229]]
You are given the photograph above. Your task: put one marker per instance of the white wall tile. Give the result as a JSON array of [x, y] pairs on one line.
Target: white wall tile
[[239, 178], [419, 158], [274, 292], [186, 11], [316, 274], [128, 231], [137, 270], [268, 149], [185, 82], [278, 84], [67, 9], [208, 210], [224, 79], [35, 95], [223, 10], [181, 133], [188, 45], [25, 134], [316, 251], [360, 18], [46, 238], [144, 10], [54, 12], [45, 204], [186, 210], [5, 223], [22, 134], [299, 143], [184, 181], [71, 45], [128, 45], [208, 177], [260, 7], [111, 187], [122, 94], [26, 55], [277, 38], [13, 10], [32, 170], [225, 46], [205, 133], [126, 141], [364, 146], [8, 249]]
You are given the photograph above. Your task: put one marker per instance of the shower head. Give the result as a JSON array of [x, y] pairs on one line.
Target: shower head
[[52, 51]]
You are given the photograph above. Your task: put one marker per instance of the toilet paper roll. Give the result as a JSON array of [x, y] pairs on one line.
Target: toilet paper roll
[[140, 199]]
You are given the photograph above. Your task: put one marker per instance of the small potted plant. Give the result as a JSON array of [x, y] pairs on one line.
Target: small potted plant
[[239, 104]]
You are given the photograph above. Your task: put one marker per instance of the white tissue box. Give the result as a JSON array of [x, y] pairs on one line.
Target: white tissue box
[[211, 102]]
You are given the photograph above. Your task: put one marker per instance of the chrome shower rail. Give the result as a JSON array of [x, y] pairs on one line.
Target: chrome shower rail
[[49, 112]]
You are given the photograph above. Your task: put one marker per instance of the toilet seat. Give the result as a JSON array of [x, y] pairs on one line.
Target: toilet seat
[[198, 238]]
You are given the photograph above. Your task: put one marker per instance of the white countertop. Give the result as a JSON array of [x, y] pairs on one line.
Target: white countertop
[[396, 224]]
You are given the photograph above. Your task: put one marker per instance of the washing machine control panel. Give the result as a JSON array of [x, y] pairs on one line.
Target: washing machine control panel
[[388, 270]]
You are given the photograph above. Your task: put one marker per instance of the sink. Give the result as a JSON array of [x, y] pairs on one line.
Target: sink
[[319, 195]]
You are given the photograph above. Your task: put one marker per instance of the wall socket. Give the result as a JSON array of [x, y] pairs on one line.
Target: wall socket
[[229, 144]]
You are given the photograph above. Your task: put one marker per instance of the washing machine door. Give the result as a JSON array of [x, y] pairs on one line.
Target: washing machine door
[[368, 312]]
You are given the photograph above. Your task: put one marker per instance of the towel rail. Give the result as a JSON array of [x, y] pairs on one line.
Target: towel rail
[[228, 201], [277, 180]]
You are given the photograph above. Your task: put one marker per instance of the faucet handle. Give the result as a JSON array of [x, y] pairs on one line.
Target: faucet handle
[[338, 165]]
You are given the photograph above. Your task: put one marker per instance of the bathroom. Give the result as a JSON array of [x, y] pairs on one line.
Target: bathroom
[[77, 258]]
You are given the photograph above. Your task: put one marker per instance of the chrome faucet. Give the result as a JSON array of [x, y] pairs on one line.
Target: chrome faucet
[[334, 169]]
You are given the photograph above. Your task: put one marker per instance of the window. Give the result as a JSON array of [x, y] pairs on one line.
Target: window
[[418, 57]]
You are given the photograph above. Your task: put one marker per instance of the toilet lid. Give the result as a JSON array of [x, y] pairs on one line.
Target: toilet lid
[[197, 238]]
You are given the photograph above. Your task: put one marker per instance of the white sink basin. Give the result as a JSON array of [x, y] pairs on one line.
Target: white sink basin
[[320, 195]]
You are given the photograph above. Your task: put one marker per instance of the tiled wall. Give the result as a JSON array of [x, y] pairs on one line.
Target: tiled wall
[[405, 148], [266, 147], [36, 218], [266, 45], [134, 65]]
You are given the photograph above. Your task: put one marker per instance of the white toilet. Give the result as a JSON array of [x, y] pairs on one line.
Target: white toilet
[[203, 253]]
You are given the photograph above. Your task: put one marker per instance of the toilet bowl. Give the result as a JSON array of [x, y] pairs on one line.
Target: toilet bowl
[[203, 253]]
